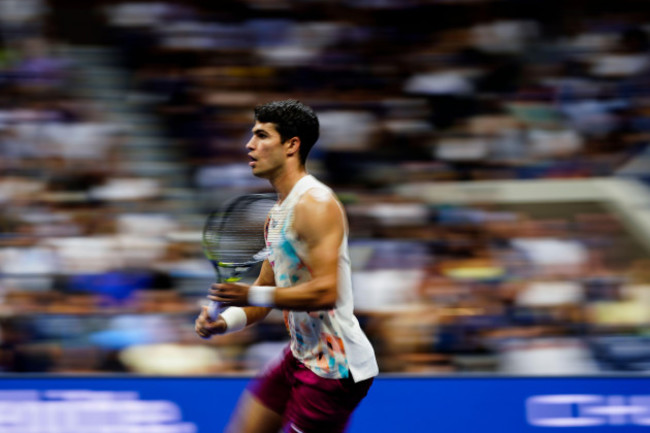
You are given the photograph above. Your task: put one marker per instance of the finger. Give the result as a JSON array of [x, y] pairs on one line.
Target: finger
[[215, 298], [204, 317], [223, 295], [201, 331], [206, 330], [217, 290], [205, 311]]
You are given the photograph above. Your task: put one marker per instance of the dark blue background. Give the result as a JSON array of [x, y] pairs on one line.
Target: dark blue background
[[394, 404]]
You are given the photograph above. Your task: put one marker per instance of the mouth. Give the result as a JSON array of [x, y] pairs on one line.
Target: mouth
[[251, 161]]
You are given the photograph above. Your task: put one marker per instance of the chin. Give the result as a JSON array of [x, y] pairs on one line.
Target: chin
[[259, 173]]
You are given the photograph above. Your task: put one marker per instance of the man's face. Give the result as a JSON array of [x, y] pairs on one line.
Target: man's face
[[266, 151]]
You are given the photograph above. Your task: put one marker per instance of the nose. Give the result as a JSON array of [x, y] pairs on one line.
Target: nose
[[250, 145]]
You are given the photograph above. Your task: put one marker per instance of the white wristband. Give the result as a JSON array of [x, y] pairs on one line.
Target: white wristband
[[261, 296], [235, 318]]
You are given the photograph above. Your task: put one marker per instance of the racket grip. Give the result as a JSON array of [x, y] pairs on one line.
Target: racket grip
[[214, 309]]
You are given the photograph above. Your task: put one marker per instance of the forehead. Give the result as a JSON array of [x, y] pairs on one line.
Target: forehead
[[268, 127]]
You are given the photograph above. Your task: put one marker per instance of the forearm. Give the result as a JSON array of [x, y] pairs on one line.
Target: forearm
[[233, 319], [251, 314], [317, 294], [320, 293], [255, 314]]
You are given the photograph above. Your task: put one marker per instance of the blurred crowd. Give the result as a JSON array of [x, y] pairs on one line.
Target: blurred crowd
[[122, 123]]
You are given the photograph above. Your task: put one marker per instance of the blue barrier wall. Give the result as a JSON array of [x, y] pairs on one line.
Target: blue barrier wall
[[395, 404]]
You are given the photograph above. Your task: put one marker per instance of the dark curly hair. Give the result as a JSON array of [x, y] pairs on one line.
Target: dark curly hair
[[292, 119]]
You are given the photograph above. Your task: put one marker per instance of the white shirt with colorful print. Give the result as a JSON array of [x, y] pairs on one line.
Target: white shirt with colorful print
[[330, 342]]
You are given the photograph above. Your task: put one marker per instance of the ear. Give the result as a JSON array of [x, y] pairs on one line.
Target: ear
[[292, 146]]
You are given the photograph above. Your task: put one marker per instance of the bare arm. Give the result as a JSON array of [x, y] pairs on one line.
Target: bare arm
[[318, 221], [206, 327]]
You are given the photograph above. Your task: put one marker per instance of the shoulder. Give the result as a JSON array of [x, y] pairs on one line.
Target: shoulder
[[317, 196], [317, 199], [316, 209]]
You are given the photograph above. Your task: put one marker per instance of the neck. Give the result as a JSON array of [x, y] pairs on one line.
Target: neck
[[283, 184]]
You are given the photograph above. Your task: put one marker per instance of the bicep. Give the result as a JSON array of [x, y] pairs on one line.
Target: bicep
[[323, 253], [321, 226]]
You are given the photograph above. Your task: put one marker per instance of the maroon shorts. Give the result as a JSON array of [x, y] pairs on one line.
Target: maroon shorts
[[307, 402]]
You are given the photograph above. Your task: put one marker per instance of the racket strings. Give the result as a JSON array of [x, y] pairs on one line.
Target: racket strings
[[236, 233]]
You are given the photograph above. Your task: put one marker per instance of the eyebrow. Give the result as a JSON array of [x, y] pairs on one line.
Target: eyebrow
[[257, 130]]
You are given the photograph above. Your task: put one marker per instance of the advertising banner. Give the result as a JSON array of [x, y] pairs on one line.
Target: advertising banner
[[126, 404]]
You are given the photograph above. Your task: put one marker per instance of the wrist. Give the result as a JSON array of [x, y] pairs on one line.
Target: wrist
[[235, 318], [261, 296]]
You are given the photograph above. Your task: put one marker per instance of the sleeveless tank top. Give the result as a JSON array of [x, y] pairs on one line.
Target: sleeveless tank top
[[330, 342]]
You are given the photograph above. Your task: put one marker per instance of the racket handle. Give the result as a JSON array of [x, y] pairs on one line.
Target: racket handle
[[214, 309]]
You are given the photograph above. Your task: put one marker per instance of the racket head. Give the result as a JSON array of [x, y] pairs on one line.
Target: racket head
[[233, 235], [233, 238]]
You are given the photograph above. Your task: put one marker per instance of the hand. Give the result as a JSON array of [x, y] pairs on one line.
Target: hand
[[229, 294], [205, 327]]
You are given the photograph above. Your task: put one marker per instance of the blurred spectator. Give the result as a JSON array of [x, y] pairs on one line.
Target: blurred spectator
[[105, 185], [36, 67]]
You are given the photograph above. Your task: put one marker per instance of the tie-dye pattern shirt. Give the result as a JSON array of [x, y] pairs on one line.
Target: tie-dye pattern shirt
[[330, 343]]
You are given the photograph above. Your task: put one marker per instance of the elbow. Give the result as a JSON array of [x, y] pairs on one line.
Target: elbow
[[326, 298], [328, 303]]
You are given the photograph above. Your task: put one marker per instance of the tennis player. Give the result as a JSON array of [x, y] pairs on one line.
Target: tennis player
[[329, 364]]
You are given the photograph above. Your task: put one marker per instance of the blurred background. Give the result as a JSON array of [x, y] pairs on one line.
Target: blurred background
[[492, 156]]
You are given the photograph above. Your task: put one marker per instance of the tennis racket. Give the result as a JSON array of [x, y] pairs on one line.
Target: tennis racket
[[233, 238]]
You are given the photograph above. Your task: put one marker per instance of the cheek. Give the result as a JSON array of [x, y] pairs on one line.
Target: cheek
[[270, 153]]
